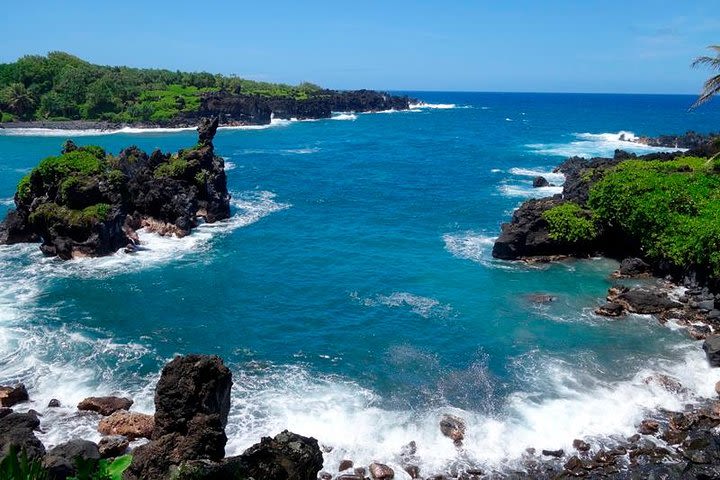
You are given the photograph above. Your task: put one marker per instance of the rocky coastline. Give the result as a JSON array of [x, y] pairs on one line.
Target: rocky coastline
[[86, 202], [246, 110]]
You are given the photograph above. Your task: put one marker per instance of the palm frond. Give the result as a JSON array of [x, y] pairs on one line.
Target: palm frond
[[710, 88]]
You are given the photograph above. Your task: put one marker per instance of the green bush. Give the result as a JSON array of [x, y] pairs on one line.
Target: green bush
[[51, 213], [175, 168], [568, 222], [672, 208], [17, 466]]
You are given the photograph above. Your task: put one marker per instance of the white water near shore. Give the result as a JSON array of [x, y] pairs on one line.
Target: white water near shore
[[597, 145]]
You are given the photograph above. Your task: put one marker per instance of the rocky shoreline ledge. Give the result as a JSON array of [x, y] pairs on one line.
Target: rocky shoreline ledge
[[247, 110]]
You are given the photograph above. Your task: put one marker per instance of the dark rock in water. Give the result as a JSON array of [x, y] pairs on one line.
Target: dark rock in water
[[410, 449], [4, 411], [539, 182], [712, 350], [192, 401], [17, 431], [528, 234], [129, 424], [644, 301], [105, 405], [669, 383], [540, 298], [89, 203], [54, 403], [324, 476], [350, 476], [113, 446], [287, 456], [191, 386], [453, 427], [379, 471], [10, 396], [413, 471], [648, 427], [610, 309], [633, 267], [345, 465], [554, 453], [61, 461], [580, 445]]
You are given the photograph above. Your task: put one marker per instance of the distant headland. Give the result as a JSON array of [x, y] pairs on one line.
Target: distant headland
[[63, 91]]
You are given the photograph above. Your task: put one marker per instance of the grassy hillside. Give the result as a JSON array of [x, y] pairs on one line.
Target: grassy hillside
[[60, 86]]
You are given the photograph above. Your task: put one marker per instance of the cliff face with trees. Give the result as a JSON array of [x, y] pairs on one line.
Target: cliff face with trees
[[60, 87]]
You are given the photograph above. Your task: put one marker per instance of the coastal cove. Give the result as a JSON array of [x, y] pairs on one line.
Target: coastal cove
[[352, 292]]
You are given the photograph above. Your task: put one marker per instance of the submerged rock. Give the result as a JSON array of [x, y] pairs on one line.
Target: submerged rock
[[645, 301], [453, 427], [10, 396], [105, 405], [539, 182], [380, 471]]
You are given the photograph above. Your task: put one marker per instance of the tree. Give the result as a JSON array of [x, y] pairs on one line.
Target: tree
[[712, 84], [18, 100]]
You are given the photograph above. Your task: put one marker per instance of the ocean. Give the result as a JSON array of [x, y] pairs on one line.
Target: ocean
[[353, 293]]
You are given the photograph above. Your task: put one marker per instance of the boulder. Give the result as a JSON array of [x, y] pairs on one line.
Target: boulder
[[646, 301], [54, 403], [10, 396], [345, 465], [554, 453], [633, 267], [61, 461], [4, 411], [667, 382], [711, 345], [610, 309], [192, 402], [453, 427], [17, 431], [539, 182], [129, 424], [648, 427], [287, 456], [380, 471], [580, 445], [113, 446], [105, 405]]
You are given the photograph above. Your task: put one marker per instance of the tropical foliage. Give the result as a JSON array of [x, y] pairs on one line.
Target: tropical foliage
[[712, 84], [61, 86]]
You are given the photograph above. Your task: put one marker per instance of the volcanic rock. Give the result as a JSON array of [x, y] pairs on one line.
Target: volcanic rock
[[61, 461], [105, 405], [453, 427], [10, 396], [129, 424], [17, 431], [113, 446]]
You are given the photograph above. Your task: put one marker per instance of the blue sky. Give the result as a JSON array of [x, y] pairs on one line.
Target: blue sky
[[549, 46]]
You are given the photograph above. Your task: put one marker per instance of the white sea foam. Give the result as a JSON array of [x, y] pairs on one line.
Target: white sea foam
[[229, 166], [344, 116], [532, 172], [301, 151], [560, 403], [423, 306], [495, 170], [434, 106], [508, 119], [56, 132], [596, 144], [7, 201], [528, 191], [474, 246]]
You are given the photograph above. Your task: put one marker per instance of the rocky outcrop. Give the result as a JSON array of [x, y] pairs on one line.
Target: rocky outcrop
[[17, 431], [539, 182], [528, 234], [242, 109], [88, 203], [192, 401], [105, 405], [113, 446], [61, 461], [10, 396], [453, 427]]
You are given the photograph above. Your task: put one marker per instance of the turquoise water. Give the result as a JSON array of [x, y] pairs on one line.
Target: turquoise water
[[353, 292]]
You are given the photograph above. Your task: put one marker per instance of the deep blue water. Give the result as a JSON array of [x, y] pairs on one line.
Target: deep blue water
[[353, 293]]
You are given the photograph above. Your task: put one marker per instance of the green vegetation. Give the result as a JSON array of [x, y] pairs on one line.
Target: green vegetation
[[175, 168], [52, 213], [17, 466], [671, 207], [568, 222], [60, 86]]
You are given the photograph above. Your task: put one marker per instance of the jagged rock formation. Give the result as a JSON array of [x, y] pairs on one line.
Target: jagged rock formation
[[192, 402], [88, 203]]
